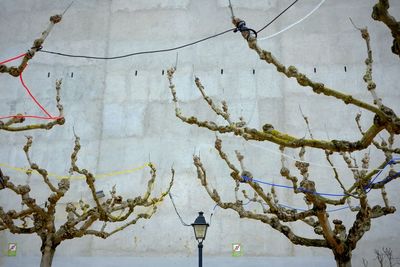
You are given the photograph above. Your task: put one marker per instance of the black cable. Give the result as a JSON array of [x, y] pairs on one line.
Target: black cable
[[176, 211], [280, 14], [240, 27], [139, 53]]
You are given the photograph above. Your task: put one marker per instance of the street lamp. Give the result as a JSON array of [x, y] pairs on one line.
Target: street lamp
[[200, 230]]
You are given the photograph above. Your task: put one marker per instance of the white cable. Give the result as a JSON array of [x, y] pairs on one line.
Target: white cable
[[282, 154], [311, 163], [292, 25]]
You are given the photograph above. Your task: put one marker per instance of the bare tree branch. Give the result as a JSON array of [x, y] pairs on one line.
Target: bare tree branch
[[380, 12], [332, 233], [78, 222], [371, 86], [389, 121], [238, 207], [36, 46], [17, 71]]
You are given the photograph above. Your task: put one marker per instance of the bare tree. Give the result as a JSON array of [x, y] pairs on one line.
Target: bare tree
[[380, 257], [330, 234], [16, 71], [385, 255], [81, 218], [381, 13]]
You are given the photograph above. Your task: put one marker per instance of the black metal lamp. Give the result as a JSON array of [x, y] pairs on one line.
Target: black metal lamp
[[200, 230]]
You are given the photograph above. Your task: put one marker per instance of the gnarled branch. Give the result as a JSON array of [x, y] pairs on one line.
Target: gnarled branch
[[381, 13]]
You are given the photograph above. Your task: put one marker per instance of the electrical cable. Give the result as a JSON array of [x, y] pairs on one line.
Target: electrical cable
[[309, 162], [281, 31], [275, 18], [32, 97], [176, 210], [367, 189], [293, 24], [216, 205], [371, 183], [241, 27], [12, 59], [247, 179], [212, 213], [76, 177], [190, 44], [141, 52], [49, 117]]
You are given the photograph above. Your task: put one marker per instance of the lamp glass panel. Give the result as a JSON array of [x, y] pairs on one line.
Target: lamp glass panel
[[200, 231]]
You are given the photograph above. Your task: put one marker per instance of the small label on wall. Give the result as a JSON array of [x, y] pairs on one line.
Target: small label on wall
[[12, 249], [237, 250]]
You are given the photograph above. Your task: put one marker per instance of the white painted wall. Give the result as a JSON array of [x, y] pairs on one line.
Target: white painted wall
[[123, 119]]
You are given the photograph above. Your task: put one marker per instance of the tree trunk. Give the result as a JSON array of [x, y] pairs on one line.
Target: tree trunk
[[343, 263], [47, 256], [343, 259]]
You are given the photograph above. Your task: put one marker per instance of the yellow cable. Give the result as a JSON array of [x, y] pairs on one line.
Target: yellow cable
[[76, 177]]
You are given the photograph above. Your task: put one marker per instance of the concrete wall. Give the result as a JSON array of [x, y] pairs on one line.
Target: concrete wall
[[124, 119]]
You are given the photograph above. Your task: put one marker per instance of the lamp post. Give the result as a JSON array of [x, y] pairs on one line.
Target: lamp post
[[200, 230]]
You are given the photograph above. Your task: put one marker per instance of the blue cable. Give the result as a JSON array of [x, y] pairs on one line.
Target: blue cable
[[390, 162], [291, 187], [368, 188]]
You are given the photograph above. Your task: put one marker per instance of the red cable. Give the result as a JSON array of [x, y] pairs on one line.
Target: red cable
[[29, 116], [49, 117], [30, 94], [12, 59]]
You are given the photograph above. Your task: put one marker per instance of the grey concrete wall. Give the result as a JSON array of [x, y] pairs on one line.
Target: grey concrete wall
[[124, 119]]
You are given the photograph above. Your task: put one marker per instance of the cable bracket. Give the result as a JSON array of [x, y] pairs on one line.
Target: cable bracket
[[241, 27]]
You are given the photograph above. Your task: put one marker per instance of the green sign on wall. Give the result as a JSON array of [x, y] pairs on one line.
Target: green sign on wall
[[237, 250], [12, 249]]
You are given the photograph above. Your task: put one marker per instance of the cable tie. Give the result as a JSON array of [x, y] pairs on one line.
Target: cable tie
[[241, 27], [302, 189], [246, 179]]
